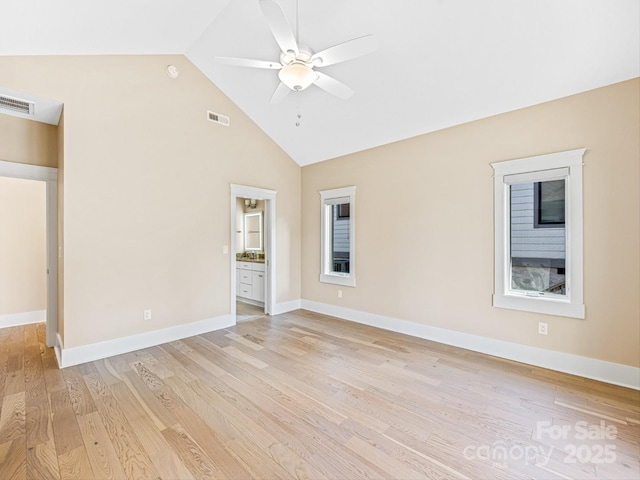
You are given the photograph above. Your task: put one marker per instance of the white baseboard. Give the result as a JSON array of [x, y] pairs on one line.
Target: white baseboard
[[14, 319], [285, 307], [96, 351], [604, 371]]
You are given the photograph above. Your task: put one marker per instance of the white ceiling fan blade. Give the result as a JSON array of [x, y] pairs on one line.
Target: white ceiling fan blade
[[333, 86], [247, 62], [345, 51], [280, 93], [279, 26]]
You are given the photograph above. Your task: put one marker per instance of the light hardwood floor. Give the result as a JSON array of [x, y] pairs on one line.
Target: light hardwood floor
[[302, 395], [246, 311]]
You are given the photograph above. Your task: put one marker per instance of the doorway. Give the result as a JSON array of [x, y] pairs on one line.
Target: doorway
[[252, 251], [50, 176]]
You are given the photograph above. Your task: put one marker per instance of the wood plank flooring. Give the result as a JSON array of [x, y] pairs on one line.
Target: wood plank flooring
[[305, 396], [246, 311]]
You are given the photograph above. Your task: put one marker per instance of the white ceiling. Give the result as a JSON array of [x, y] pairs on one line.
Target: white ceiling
[[440, 62]]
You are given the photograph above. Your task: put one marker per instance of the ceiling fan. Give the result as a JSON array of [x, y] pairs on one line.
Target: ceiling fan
[[297, 63]]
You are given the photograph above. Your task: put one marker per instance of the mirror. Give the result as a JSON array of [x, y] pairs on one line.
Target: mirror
[[253, 231]]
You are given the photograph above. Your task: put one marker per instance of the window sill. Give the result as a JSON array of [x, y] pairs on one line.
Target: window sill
[[548, 306], [338, 279]]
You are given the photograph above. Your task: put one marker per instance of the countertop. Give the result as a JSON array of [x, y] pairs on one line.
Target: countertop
[[251, 260]]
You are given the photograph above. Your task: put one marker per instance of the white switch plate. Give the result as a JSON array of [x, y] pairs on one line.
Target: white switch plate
[[543, 328], [339, 293], [225, 249], [147, 314]]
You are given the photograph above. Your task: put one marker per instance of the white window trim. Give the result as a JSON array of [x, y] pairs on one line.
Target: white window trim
[[535, 169], [326, 275]]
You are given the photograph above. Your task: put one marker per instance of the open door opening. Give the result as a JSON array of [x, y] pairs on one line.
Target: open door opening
[[252, 252], [49, 176]]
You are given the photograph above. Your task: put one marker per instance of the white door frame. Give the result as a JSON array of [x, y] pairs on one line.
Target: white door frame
[[50, 176], [269, 197]]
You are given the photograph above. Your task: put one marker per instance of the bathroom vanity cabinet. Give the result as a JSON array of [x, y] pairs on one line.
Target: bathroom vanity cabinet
[[250, 281]]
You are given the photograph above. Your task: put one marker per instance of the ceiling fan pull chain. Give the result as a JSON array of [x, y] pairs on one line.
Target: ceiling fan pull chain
[[299, 115]]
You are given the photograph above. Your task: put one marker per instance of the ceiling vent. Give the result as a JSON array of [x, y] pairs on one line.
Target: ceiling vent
[[218, 118], [16, 105]]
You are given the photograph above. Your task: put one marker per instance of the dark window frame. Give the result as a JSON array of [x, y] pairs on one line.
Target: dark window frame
[[537, 209], [344, 210]]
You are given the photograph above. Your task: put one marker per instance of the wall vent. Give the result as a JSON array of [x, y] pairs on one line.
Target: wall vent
[[218, 118], [16, 105]]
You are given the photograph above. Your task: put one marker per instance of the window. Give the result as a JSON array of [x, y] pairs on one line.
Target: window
[[337, 263], [344, 210], [538, 258], [549, 204], [538, 234]]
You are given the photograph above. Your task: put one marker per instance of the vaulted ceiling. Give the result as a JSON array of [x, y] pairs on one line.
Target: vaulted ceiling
[[440, 62]]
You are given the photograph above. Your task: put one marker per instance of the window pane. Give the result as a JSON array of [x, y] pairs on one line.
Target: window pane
[[550, 202], [344, 210], [340, 241], [538, 255]]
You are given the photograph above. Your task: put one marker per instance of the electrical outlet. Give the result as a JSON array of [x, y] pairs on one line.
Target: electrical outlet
[[543, 328], [339, 293], [147, 314]]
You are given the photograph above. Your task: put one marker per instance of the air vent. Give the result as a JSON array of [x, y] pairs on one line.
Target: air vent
[[16, 105], [218, 118]]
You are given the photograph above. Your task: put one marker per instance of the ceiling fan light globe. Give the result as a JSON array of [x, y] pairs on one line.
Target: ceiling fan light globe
[[297, 76]]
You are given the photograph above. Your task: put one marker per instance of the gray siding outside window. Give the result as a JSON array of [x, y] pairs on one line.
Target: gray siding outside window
[[527, 241], [340, 233]]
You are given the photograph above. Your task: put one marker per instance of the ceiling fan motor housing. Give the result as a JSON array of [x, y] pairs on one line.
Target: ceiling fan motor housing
[[297, 70]]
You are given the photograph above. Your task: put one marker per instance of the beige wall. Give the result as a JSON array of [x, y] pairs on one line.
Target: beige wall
[[25, 141], [146, 191], [146, 207], [23, 263], [34, 143], [435, 265]]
